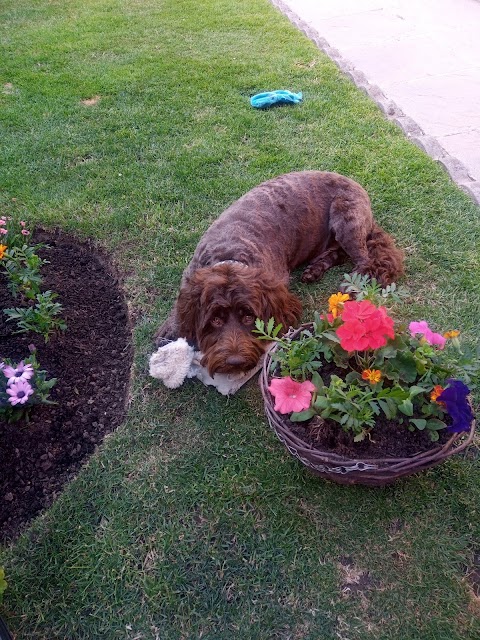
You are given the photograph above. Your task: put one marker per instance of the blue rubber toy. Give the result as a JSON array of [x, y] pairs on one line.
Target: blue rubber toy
[[269, 98]]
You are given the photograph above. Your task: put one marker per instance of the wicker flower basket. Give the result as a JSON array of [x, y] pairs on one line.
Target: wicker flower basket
[[346, 470]]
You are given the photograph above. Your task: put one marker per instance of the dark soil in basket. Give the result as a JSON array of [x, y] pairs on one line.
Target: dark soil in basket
[[91, 361], [388, 439]]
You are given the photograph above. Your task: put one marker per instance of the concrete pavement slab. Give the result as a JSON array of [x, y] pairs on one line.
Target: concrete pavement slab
[[420, 61]]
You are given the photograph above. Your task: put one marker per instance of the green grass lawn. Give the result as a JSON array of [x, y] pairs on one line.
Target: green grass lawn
[[192, 521]]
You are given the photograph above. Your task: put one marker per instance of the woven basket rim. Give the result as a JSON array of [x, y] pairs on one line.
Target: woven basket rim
[[311, 456]]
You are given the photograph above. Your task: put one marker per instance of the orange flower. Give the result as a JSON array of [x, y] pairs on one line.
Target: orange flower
[[372, 375], [451, 334], [437, 390], [335, 303], [3, 248]]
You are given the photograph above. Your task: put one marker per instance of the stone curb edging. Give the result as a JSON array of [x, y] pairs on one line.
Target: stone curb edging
[[456, 170]]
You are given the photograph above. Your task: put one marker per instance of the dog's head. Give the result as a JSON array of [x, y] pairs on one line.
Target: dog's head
[[217, 307]]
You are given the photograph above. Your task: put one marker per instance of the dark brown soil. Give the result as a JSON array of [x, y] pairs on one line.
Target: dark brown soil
[[91, 361], [388, 439]]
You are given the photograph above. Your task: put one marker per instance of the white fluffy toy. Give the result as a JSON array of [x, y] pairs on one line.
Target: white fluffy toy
[[177, 360]]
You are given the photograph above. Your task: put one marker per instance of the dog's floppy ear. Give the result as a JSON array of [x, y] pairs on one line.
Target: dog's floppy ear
[[188, 307], [279, 303]]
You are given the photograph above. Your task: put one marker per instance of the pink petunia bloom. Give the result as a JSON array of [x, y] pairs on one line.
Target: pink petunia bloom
[[19, 392], [22, 223], [290, 395], [3, 221], [25, 232], [20, 372], [3, 231], [424, 330]]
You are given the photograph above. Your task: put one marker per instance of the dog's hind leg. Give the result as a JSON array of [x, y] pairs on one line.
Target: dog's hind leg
[[368, 246], [330, 258], [351, 221]]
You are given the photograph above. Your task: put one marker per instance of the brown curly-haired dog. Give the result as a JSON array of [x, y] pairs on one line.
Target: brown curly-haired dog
[[240, 269]]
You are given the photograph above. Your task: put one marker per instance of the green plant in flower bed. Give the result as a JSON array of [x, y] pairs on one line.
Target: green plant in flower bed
[[409, 373], [13, 234], [41, 318], [22, 267], [20, 262], [22, 386]]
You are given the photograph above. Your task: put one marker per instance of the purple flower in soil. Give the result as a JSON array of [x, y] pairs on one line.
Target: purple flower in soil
[[19, 392], [20, 372], [455, 399]]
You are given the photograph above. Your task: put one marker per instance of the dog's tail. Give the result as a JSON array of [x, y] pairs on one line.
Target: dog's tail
[[386, 259]]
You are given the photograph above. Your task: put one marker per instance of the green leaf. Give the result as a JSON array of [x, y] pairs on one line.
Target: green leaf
[[389, 407], [317, 380], [321, 402], [419, 423], [404, 363], [270, 325], [406, 407], [416, 390], [330, 335], [277, 329], [435, 425], [300, 416]]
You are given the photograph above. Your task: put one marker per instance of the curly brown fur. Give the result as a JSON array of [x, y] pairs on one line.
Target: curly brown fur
[[240, 268]]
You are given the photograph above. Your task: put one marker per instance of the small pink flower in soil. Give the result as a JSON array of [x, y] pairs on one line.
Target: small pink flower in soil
[[290, 395], [20, 372], [19, 392]]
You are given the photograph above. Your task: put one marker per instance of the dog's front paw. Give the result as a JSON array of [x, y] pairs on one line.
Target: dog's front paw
[[312, 274], [166, 333]]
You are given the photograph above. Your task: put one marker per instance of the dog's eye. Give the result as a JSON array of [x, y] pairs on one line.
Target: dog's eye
[[217, 322], [248, 318]]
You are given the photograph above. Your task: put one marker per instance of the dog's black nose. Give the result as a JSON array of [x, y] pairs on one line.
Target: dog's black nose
[[236, 361]]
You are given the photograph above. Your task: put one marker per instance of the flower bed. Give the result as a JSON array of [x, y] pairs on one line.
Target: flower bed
[[90, 361]]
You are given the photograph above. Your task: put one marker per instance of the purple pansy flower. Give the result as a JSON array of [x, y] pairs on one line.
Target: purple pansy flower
[[19, 392], [20, 372], [455, 399]]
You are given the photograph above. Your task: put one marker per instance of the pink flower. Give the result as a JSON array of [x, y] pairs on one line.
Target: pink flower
[[3, 232], [25, 232], [329, 317], [22, 223], [19, 392], [364, 327], [423, 329], [290, 395], [20, 372], [3, 221]]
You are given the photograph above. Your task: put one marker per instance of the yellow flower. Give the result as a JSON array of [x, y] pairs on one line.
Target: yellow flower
[[451, 334], [3, 248], [372, 375], [437, 390], [335, 303]]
